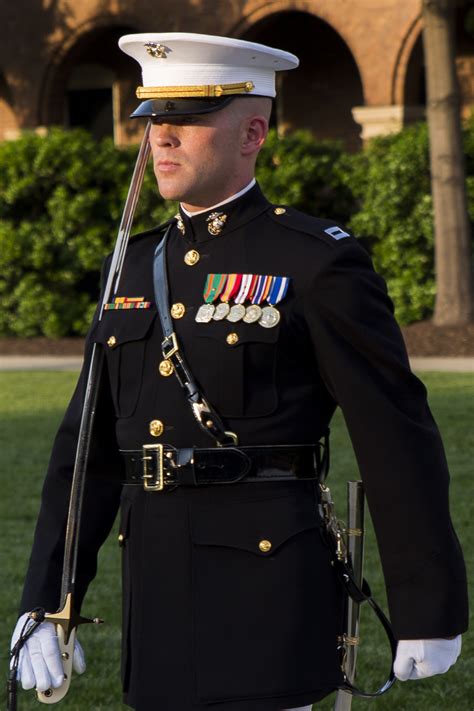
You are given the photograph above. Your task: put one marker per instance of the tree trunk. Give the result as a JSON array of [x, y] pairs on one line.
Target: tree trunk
[[454, 299]]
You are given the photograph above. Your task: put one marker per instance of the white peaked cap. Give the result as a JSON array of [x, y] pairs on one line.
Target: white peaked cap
[[178, 65]]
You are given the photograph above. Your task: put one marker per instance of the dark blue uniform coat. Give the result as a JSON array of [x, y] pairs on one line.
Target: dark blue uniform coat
[[208, 617]]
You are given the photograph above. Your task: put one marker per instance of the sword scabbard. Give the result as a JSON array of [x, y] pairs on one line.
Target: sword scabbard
[[355, 551]]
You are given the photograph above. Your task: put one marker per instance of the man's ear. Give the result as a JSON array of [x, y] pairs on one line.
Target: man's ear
[[254, 133]]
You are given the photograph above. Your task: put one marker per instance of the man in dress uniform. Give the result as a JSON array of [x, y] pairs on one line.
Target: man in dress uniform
[[229, 599]]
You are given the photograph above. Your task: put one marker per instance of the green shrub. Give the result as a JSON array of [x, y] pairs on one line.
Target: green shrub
[[61, 201], [62, 196], [297, 170], [391, 181]]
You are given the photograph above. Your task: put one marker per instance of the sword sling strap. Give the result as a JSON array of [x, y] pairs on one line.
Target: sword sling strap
[[212, 425], [206, 417], [343, 569], [360, 595]]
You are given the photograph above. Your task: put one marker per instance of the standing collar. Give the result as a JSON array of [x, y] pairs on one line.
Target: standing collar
[[224, 218], [224, 202]]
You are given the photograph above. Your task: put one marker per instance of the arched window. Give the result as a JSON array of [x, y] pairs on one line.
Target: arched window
[[319, 96], [89, 99]]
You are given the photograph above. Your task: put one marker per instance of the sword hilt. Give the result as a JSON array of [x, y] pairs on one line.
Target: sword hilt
[[66, 620]]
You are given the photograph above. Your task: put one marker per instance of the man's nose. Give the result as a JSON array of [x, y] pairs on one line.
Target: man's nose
[[164, 134]]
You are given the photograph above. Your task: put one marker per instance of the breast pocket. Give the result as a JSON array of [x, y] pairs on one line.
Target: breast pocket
[[124, 335], [236, 367], [266, 606]]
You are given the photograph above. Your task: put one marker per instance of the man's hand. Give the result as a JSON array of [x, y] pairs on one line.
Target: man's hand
[[40, 663], [419, 658]]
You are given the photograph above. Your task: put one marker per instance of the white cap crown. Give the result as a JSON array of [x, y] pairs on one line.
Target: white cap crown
[[179, 65]]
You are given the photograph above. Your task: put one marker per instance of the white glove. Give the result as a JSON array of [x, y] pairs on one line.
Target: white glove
[[419, 658], [40, 664]]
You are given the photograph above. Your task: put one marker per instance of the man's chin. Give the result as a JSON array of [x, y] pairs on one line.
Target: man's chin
[[169, 192]]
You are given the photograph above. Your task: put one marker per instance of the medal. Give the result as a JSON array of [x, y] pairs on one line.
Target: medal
[[237, 311], [232, 286], [205, 312], [270, 315], [254, 311], [221, 311], [214, 285]]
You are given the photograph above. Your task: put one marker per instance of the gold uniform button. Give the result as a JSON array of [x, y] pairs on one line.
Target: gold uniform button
[[279, 211], [166, 368], [111, 341], [121, 539], [178, 310], [232, 339], [156, 428], [192, 257], [264, 546]]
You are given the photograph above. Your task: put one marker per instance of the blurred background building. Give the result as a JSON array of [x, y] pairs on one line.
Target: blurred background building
[[361, 72]]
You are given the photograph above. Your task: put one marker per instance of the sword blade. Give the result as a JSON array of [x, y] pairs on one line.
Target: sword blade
[[66, 619], [95, 369]]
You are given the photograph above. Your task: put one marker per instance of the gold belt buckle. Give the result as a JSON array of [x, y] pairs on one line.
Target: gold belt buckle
[[153, 481]]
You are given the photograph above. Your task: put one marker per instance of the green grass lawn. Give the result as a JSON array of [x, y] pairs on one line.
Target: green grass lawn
[[31, 406]]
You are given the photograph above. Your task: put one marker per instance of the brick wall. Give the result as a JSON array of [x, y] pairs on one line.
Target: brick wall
[[353, 53]]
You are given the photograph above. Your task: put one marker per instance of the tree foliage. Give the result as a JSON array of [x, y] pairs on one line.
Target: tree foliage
[[390, 180], [61, 202], [61, 199]]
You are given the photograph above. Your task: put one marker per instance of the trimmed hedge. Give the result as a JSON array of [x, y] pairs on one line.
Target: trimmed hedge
[[61, 199]]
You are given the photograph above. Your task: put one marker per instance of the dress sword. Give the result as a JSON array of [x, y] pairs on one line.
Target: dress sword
[[66, 618]]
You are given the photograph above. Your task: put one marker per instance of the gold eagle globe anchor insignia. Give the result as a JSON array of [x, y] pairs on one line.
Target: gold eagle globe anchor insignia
[[180, 223], [154, 49], [216, 222]]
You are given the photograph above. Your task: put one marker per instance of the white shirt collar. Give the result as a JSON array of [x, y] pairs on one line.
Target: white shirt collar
[[224, 202]]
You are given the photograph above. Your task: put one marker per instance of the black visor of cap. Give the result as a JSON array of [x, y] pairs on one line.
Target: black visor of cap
[[159, 108]]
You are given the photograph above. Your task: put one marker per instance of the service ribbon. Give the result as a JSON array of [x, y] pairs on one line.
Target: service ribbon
[[257, 295], [252, 288], [231, 287], [244, 289], [214, 285], [267, 287], [278, 290], [128, 299]]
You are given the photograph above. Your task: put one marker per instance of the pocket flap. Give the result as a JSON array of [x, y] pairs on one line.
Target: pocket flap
[[246, 332], [259, 527], [118, 327]]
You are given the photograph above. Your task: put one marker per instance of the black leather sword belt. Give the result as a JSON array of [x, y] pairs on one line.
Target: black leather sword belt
[[157, 467]]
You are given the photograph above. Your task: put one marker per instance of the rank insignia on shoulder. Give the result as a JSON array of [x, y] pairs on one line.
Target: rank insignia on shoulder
[[336, 232], [256, 289], [128, 302]]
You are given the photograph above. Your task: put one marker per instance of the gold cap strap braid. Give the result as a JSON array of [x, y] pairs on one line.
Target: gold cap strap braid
[[185, 92]]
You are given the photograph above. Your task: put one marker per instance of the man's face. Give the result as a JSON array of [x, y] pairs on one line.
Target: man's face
[[196, 158]]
